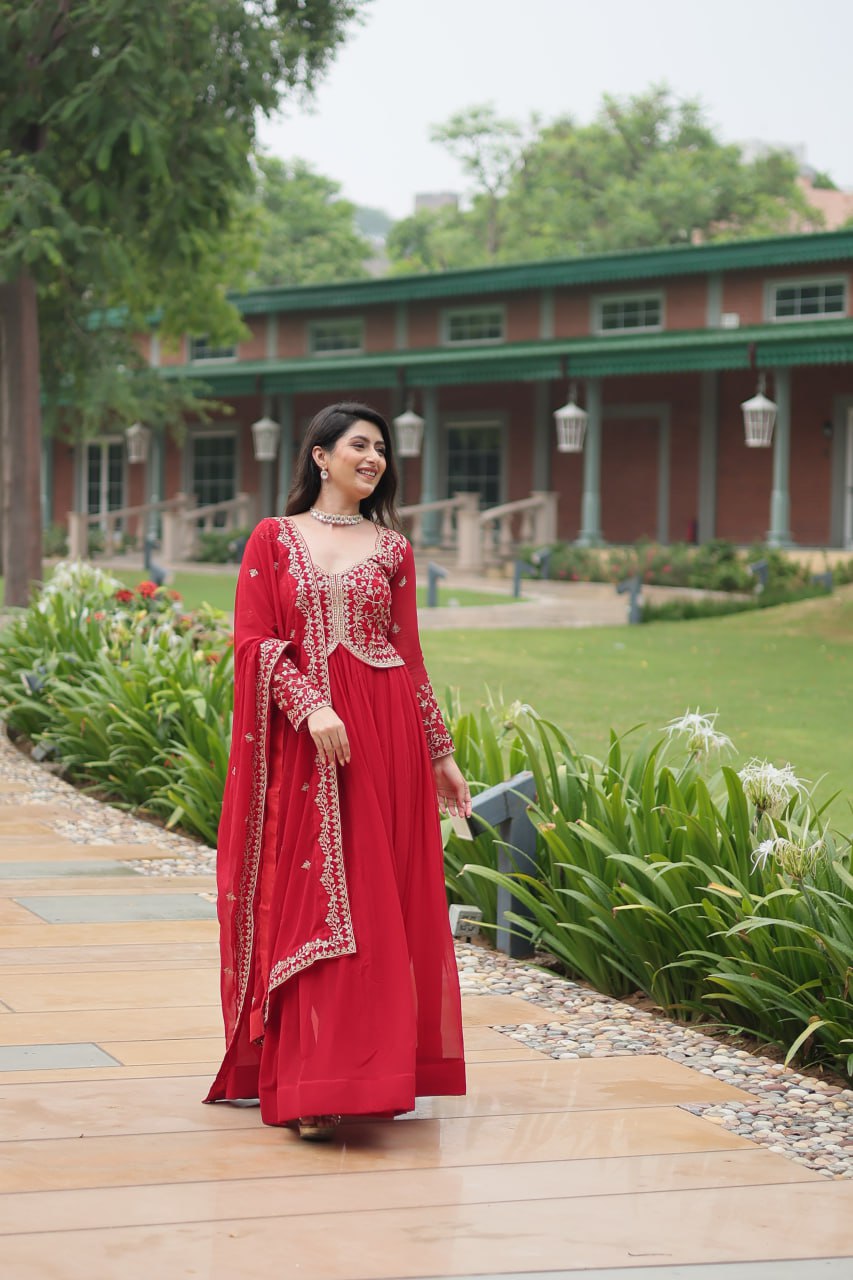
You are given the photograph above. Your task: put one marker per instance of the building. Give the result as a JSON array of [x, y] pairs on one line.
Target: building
[[664, 346]]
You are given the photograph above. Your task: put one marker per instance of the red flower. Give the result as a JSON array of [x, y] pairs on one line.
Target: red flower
[[147, 589], [124, 596], [100, 615], [174, 595]]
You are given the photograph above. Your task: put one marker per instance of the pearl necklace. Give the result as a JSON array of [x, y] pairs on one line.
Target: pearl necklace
[[329, 517]]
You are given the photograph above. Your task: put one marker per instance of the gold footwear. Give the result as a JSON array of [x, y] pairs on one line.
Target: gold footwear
[[317, 1128]]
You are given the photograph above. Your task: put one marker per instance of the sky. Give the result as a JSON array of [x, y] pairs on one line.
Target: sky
[[774, 70]]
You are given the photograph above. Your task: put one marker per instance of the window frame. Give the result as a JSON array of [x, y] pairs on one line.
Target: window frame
[[771, 288], [599, 301], [314, 325], [192, 358], [208, 432], [448, 314]]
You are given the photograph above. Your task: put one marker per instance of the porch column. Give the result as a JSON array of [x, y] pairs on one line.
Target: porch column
[[590, 531], [430, 464], [779, 533], [154, 473], [268, 468], [706, 517], [46, 482], [542, 428], [285, 449], [664, 468]]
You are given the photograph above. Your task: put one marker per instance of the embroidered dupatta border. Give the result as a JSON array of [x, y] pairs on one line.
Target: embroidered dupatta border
[[333, 875], [270, 653]]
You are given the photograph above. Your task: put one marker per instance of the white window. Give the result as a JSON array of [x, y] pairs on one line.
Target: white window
[[340, 336], [630, 311], [201, 349], [807, 299], [473, 326]]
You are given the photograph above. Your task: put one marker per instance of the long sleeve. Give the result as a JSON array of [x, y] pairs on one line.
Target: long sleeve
[[294, 693], [405, 639]]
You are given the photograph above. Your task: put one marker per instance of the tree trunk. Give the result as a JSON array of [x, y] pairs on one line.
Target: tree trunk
[[20, 425]]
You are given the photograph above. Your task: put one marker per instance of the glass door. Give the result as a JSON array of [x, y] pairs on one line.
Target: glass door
[[104, 478], [475, 461], [214, 470]]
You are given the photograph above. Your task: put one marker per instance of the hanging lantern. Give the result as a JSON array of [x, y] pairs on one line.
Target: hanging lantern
[[571, 423], [265, 434], [409, 430], [138, 439], [759, 417]]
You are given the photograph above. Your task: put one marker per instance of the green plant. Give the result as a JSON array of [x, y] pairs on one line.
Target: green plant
[[219, 546], [55, 541], [653, 875]]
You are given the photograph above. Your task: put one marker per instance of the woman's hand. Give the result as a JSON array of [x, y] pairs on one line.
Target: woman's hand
[[330, 736], [453, 794]]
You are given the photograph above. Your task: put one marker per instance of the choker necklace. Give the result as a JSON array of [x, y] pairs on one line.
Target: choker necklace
[[329, 517]]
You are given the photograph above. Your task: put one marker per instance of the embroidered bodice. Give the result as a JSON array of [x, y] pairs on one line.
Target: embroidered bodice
[[369, 609]]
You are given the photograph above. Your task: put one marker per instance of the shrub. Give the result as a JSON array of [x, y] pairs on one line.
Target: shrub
[[219, 546], [655, 875]]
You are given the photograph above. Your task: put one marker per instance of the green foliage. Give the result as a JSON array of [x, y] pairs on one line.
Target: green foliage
[[654, 876], [217, 546], [133, 695], [647, 171], [127, 129], [682, 610], [306, 233]]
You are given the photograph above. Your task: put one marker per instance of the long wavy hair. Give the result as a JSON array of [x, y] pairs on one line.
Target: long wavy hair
[[325, 429]]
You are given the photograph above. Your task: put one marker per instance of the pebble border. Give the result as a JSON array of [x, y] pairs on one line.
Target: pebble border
[[799, 1116]]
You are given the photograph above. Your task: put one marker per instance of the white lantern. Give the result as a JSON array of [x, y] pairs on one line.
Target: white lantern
[[759, 417], [409, 430], [571, 423], [138, 439], [265, 434]]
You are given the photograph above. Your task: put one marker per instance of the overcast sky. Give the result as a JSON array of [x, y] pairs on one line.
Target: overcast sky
[[776, 70]]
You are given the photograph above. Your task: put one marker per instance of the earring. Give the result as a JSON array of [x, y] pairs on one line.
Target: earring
[[324, 475]]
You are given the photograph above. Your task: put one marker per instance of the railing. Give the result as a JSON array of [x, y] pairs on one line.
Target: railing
[[80, 522], [491, 536], [447, 510], [183, 521]]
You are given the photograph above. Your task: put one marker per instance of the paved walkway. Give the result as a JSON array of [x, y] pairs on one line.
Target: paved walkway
[[111, 1169]]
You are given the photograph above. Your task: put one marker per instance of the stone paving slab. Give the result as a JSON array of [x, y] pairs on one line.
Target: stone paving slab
[[112, 909], [51, 1057], [802, 1269], [51, 870]]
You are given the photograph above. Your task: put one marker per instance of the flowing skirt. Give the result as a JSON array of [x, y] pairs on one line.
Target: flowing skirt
[[362, 1034]]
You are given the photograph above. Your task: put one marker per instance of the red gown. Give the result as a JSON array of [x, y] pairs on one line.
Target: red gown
[[339, 985]]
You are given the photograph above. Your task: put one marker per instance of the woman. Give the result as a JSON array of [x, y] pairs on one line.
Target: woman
[[339, 984]]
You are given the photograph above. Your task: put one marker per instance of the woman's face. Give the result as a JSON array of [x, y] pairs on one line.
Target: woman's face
[[357, 462]]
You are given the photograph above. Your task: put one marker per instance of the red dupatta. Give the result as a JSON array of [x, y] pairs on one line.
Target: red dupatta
[[277, 619]]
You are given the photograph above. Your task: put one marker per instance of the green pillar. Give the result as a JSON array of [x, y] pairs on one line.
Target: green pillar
[[430, 463], [285, 449], [46, 482], [543, 426], [590, 531], [154, 476], [779, 533], [708, 431]]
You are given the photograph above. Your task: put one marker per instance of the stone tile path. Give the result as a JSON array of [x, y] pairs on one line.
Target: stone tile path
[[593, 1140]]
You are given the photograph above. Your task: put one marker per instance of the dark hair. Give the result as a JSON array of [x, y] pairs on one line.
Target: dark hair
[[325, 429]]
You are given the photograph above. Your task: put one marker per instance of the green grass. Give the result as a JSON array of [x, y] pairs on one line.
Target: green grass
[[780, 680]]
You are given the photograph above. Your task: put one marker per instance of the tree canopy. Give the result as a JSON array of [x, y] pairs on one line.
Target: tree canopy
[[306, 234], [649, 170], [126, 129]]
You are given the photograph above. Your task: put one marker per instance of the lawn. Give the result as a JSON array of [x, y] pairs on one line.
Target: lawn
[[779, 678]]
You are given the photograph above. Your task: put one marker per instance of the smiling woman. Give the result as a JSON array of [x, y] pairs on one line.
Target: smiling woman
[[339, 984]]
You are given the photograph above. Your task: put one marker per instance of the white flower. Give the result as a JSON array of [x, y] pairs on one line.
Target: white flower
[[795, 860], [767, 788], [702, 737]]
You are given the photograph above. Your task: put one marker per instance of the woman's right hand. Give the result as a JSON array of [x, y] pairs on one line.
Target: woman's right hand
[[330, 736]]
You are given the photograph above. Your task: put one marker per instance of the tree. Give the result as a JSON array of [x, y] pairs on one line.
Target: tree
[[647, 171], [126, 127], [306, 234]]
